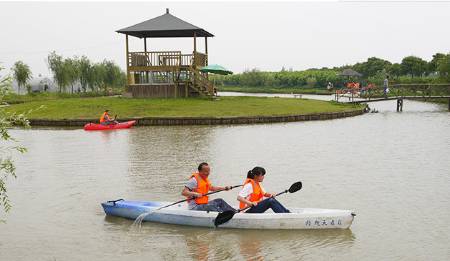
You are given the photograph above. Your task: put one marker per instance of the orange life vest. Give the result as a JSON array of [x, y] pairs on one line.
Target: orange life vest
[[102, 118], [203, 186], [257, 194]]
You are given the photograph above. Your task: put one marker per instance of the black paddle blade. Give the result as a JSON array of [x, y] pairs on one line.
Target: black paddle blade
[[224, 217], [295, 187]]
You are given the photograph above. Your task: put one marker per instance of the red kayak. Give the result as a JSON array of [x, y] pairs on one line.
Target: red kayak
[[121, 125]]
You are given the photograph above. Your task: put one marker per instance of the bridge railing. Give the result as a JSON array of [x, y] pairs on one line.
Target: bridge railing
[[395, 90]]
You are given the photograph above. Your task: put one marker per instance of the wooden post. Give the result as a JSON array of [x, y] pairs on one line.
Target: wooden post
[[206, 52], [145, 53], [448, 104], [126, 60], [195, 42], [175, 88], [195, 47], [399, 104], [194, 60], [145, 44]]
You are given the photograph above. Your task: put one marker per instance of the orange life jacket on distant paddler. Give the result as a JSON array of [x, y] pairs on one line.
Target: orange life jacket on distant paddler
[[203, 186], [105, 117], [102, 118], [257, 194]]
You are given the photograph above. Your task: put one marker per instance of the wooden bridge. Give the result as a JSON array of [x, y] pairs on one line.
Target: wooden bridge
[[399, 92], [401, 98]]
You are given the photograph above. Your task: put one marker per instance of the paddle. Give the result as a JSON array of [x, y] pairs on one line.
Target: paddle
[[226, 216], [209, 193], [115, 120]]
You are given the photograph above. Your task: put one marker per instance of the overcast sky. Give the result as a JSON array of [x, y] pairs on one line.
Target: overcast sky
[[266, 36]]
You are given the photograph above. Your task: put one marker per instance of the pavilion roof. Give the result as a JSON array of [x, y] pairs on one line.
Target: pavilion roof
[[350, 72], [164, 26]]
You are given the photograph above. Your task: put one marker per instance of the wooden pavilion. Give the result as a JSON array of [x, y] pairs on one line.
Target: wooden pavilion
[[167, 73]]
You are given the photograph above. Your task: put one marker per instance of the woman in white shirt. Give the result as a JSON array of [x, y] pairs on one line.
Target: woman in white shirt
[[252, 194]]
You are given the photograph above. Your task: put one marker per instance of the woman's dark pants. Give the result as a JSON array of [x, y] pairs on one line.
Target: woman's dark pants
[[266, 204]]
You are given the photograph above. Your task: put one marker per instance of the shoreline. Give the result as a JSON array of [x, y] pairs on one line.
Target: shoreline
[[174, 121], [276, 91]]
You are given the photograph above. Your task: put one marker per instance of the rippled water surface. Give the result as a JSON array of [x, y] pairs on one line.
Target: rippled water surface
[[391, 168]]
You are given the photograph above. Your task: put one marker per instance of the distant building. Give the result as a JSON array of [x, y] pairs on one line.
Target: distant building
[[38, 84], [43, 84]]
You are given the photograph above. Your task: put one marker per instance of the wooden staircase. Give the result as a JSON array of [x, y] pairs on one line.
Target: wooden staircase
[[195, 81]]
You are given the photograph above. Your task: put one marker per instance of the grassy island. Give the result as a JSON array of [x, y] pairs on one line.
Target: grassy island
[[91, 108]]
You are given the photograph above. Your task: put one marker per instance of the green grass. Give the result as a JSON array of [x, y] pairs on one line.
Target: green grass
[[13, 98], [274, 90], [91, 108]]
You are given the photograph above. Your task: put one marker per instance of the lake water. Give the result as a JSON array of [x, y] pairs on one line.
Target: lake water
[[392, 169], [280, 95]]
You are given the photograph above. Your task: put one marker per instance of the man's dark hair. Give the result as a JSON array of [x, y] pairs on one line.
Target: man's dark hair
[[200, 167]]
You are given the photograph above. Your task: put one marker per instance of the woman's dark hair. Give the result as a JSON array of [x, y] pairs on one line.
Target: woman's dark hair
[[256, 171], [200, 167]]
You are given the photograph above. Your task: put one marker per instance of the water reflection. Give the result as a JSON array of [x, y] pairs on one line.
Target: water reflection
[[235, 244], [251, 248]]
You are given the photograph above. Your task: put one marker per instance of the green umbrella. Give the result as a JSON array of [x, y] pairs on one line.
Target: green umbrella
[[216, 69]]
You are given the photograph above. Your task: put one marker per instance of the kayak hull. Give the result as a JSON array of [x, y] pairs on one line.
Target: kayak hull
[[121, 125], [301, 218]]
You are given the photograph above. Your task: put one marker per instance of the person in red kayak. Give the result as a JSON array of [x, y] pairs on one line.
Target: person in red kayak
[[105, 119]]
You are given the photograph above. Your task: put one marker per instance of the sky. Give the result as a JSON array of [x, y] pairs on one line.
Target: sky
[[262, 35]]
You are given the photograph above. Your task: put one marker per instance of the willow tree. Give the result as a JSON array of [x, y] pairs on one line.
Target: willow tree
[[444, 67], [59, 69], [98, 76], [113, 76], [8, 144], [22, 74], [71, 67], [84, 66]]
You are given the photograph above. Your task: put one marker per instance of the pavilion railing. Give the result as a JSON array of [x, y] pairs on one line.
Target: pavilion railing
[[166, 58], [199, 59]]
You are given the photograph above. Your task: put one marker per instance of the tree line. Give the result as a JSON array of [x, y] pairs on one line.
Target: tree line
[[411, 69], [68, 72]]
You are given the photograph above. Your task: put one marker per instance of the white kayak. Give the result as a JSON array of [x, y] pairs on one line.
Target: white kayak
[[300, 218]]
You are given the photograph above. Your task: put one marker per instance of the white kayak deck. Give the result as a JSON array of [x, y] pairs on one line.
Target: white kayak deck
[[299, 218]]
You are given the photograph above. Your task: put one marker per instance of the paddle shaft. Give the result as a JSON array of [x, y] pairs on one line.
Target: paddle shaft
[[209, 193]]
